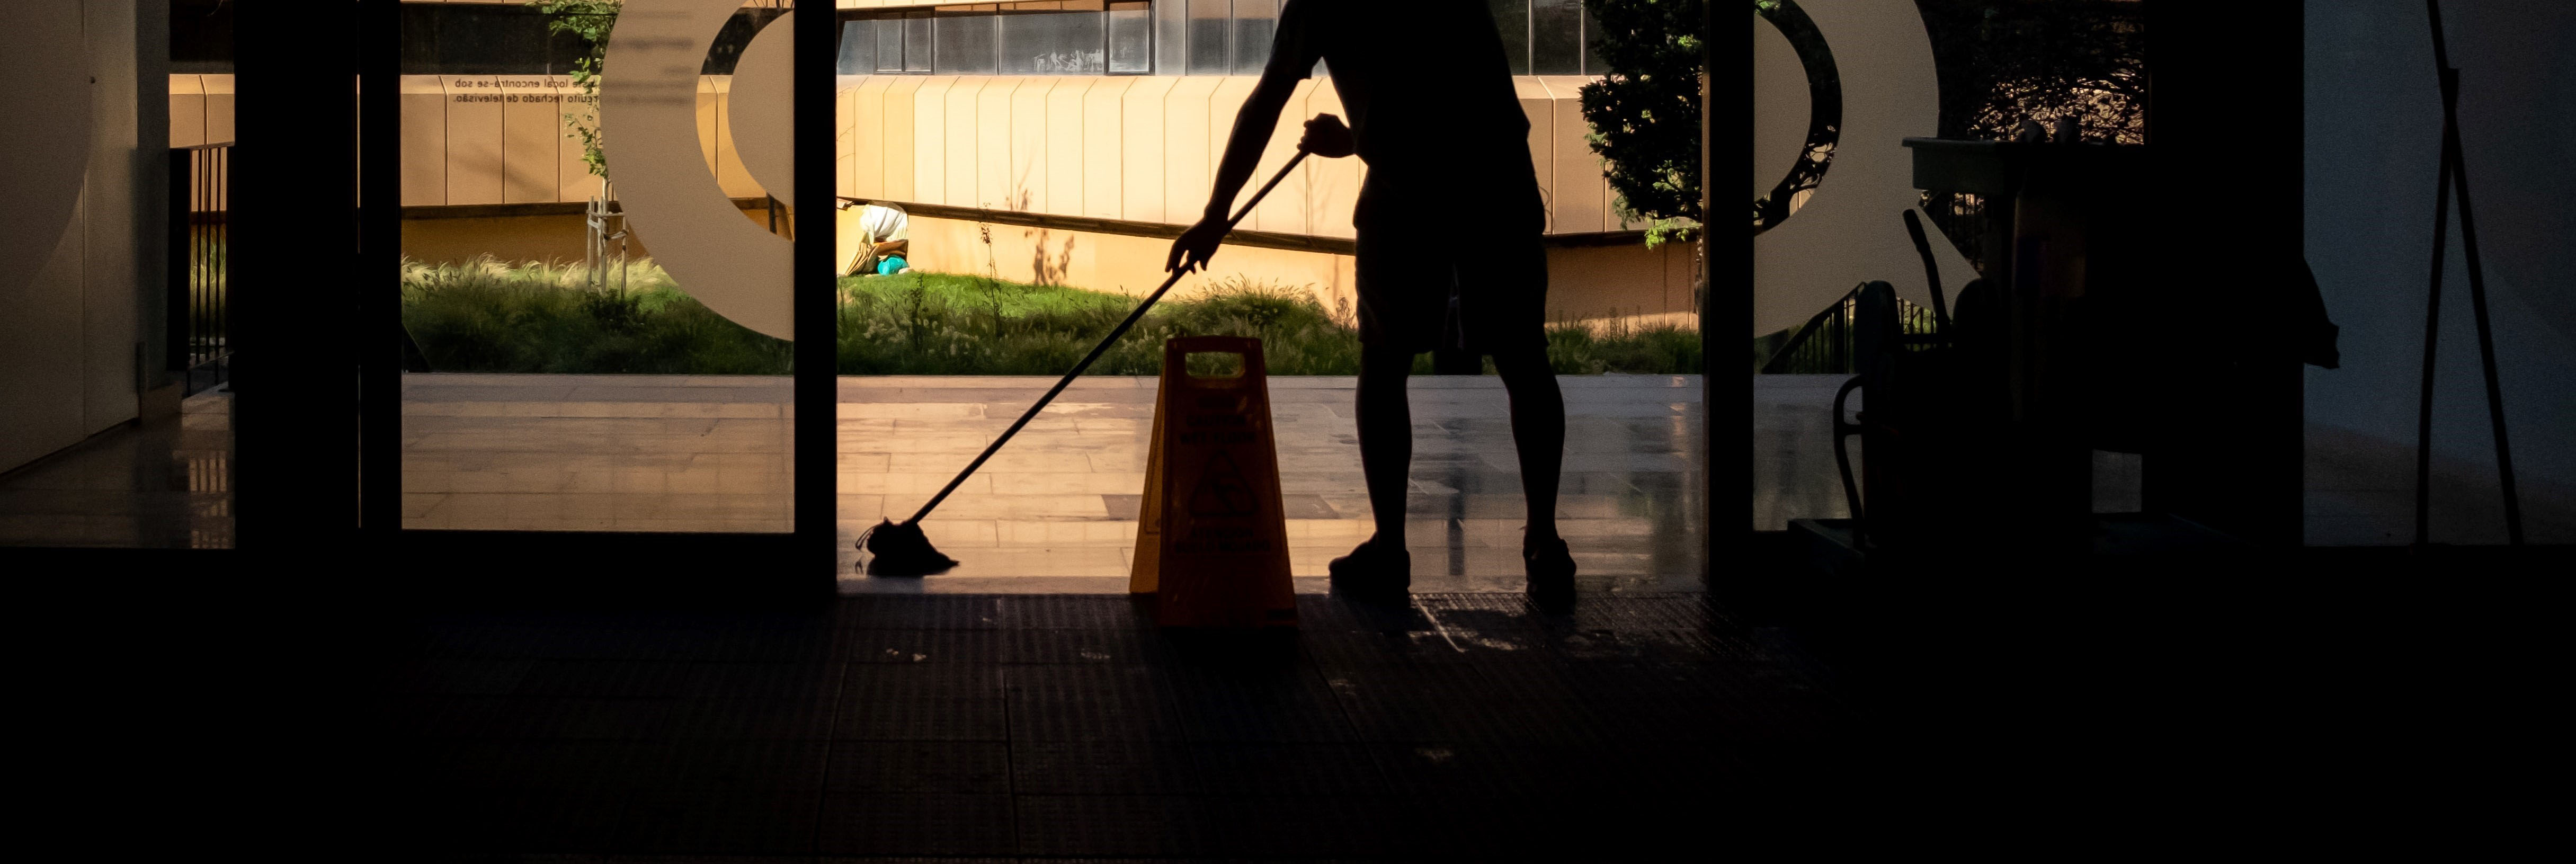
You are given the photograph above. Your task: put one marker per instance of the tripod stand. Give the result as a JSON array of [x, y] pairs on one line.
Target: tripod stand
[[2455, 176]]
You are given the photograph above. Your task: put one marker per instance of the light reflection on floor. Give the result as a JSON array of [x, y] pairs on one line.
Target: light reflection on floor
[[1055, 511], [163, 485]]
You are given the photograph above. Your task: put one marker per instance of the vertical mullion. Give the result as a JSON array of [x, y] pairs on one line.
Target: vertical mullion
[[1726, 309], [816, 312], [379, 258], [199, 293]]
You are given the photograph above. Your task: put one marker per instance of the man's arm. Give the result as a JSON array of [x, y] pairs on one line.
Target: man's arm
[[1252, 129]]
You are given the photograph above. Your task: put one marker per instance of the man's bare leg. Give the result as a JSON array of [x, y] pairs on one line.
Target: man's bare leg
[[1538, 432], [1385, 421]]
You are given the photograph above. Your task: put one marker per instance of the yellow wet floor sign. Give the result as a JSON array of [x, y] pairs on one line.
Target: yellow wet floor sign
[[1211, 539]]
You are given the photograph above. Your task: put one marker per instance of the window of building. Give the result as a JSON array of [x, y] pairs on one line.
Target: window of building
[[736, 36], [1172, 23], [963, 40], [1210, 22], [478, 39], [1547, 37], [1049, 37], [201, 37], [1131, 37], [916, 42], [1054, 38], [858, 48], [1556, 37], [1172, 37], [1256, 24], [471, 39], [1511, 19]]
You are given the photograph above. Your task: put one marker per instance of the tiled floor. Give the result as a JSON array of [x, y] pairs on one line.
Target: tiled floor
[[1060, 501], [1464, 727], [165, 485], [1056, 510]]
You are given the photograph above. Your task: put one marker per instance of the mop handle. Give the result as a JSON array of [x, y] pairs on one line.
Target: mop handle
[[1096, 351]]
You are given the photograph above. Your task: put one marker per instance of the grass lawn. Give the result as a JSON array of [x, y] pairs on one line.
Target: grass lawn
[[486, 316]]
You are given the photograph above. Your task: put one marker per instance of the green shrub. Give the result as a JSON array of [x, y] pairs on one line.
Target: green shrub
[[485, 316]]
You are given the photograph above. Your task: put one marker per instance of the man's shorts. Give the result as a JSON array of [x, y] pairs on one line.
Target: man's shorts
[[1407, 282], [1433, 239]]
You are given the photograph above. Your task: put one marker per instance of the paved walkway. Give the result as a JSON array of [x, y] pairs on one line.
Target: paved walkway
[[1056, 510]]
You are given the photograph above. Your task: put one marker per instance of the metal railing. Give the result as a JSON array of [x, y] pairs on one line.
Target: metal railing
[[1824, 346], [199, 323], [1960, 217]]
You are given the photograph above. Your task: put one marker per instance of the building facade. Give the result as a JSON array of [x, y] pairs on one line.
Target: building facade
[[1087, 130]]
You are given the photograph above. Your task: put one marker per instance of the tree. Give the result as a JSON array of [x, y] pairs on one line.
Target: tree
[[591, 20], [1645, 113], [2005, 61]]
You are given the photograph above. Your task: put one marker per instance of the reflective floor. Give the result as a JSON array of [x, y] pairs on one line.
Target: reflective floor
[[1055, 511], [162, 485]]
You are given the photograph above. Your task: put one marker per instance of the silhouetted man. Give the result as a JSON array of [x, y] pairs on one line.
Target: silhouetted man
[[1450, 208]]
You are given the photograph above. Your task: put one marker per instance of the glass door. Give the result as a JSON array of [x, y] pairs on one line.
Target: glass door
[[595, 259]]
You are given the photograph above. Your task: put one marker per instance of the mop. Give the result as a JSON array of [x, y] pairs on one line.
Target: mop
[[900, 549]]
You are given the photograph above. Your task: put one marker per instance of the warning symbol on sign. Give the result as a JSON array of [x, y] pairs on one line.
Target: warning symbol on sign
[[1211, 537], [1222, 490]]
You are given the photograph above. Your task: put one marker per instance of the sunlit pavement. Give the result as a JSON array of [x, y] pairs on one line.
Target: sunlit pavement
[[1055, 510]]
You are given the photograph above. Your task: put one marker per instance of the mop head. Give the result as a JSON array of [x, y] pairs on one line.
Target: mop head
[[899, 549]]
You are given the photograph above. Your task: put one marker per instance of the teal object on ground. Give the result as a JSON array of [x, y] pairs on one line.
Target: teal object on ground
[[892, 264]]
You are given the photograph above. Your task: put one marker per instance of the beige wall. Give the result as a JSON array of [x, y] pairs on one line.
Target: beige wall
[[1119, 147], [1139, 148], [1602, 285], [69, 313], [1145, 148]]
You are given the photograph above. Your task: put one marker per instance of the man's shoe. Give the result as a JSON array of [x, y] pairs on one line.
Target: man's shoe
[[1551, 572], [1373, 572]]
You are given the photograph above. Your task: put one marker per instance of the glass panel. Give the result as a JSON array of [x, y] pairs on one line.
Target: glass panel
[[565, 379], [889, 51], [916, 42], [475, 40], [1209, 20], [1254, 22], [1051, 43], [1511, 20], [1556, 37], [1131, 38], [858, 47], [1171, 37], [965, 43]]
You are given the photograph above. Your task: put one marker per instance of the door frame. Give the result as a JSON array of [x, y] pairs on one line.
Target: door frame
[[589, 565]]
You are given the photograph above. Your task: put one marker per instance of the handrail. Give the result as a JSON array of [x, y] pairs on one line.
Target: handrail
[[1780, 358], [1915, 324], [197, 331]]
